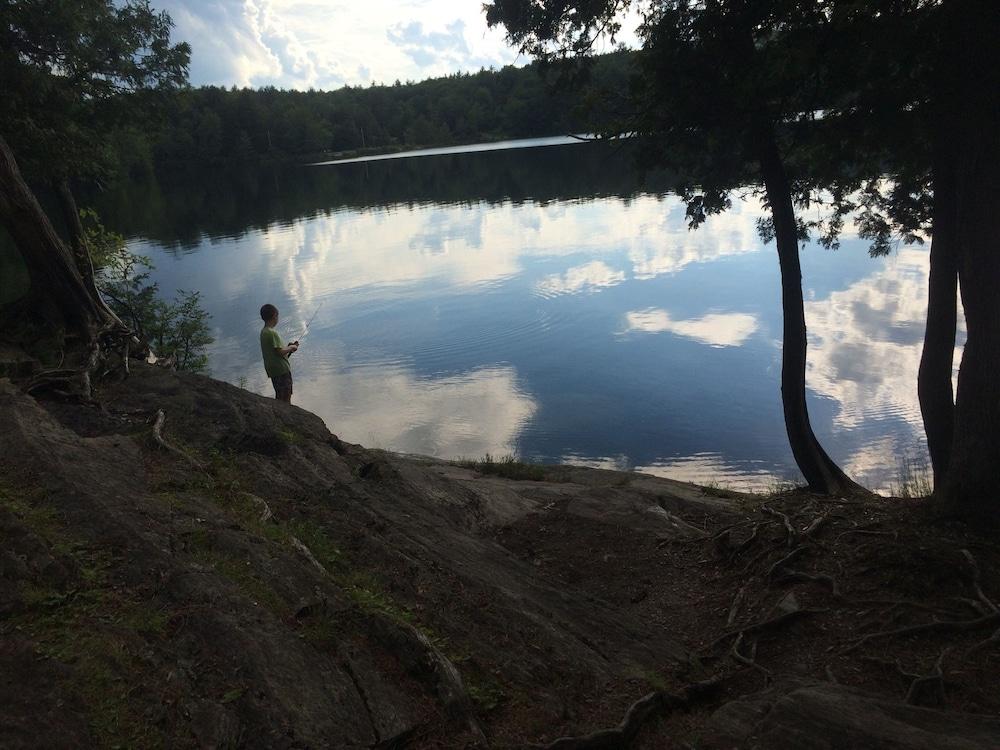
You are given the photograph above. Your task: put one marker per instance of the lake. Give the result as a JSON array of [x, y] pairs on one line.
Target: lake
[[545, 302]]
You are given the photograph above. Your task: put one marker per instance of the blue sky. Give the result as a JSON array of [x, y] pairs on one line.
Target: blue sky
[[326, 44], [312, 43]]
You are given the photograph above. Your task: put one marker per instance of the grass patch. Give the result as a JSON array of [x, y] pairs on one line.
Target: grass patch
[[716, 489], [654, 679], [289, 436], [315, 538], [487, 696], [365, 591], [242, 574], [508, 467], [914, 478], [225, 489], [96, 628]]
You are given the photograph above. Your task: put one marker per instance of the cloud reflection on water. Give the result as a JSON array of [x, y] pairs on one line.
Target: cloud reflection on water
[[588, 277], [865, 342], [713, 329], [713, 469], [387, 406], [431, 368], [483, 243]]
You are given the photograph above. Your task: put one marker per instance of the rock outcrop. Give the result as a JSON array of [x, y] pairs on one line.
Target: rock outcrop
[[243, 578]]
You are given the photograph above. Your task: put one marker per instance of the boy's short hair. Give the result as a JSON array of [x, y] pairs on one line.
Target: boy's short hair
[[267, 312]]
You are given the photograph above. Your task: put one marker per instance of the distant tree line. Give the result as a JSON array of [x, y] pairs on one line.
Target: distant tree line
[[214, 125]]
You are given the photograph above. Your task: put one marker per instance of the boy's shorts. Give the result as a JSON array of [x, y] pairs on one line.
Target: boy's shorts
[[283, 386]]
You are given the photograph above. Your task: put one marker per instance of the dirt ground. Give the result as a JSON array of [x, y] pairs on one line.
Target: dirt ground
[[252, 581]]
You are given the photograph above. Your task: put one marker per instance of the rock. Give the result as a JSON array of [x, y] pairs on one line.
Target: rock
[[787, 605], [799, 715], [675, 524], [215, 727]]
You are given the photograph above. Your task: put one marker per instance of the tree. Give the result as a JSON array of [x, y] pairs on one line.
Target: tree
[[69, 71], [176, 330], [918, 103], [967, 192], [721, 91]]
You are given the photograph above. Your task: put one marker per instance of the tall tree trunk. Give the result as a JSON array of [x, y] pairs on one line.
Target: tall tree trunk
[[934, 379], [52, 269], [971, 484], [74, 227], [819, 470]]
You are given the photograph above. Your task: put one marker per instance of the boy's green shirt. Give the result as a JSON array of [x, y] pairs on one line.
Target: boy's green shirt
[[274, 363]]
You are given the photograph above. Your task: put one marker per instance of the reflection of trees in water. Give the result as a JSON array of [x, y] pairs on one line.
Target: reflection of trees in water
[[228, 202]]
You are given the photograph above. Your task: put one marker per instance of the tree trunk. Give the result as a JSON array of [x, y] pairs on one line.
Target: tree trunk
[[77, 241], [821, 473], [52, 269], [934, 379], [971, 484]]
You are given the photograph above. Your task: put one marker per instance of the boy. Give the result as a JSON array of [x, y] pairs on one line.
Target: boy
[[276, 354]]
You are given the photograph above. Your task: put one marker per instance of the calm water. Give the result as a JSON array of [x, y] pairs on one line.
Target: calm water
[[543, 302]]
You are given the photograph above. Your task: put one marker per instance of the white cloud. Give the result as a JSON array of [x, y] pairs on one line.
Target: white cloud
[[431, 47], [296, 44], [714, 329]]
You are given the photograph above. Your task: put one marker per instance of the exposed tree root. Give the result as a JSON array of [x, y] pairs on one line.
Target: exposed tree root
[[76, 383], [928, 690], [769, 624], [976, 582], [793, 555], [638, 713], [900, 603], [995, 638], [816, 524], [265, 509], [162, 442], [798, 576], [750, 661], [423, 659], [893, 665], [791, 535], [307, 554], [748, 541], [734, 609], [417, 654], [866, 532], [938, 626]]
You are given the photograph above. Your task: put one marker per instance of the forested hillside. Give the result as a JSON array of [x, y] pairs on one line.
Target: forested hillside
[[212, 124]]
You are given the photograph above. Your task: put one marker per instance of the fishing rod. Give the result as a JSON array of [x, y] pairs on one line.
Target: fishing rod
[[305, 330]]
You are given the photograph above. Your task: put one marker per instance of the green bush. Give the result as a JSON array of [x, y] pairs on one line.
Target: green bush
[[179, 327]]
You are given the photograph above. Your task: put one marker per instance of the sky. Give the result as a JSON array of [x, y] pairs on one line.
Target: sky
[[326, 44]]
